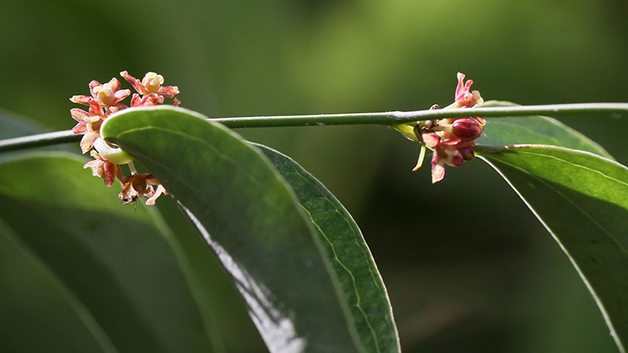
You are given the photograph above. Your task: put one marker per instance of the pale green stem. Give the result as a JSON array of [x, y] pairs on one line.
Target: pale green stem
[[385, 119], [132, 168]]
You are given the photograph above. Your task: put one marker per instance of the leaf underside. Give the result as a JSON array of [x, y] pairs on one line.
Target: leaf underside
[[572, 185], [253, 222], [582, 199]]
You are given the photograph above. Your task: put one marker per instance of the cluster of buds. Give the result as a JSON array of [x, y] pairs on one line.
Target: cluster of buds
[[451, 139], [105, 99]]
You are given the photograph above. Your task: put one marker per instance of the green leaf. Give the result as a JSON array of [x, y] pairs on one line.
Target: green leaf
[[230, 323], [351, 258], [12, 125], [113, 261], [252, 221], [538, 130], [36, 312], [582, 199]]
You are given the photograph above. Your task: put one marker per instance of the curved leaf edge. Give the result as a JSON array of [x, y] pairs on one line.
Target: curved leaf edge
[[554, 121], [81, 311], [202, 231], [488, 149], [160, 224], [79, 307], [597, 300], [341, 207], [192, 281]]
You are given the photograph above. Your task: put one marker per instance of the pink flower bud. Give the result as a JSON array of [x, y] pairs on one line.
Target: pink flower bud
[[464, 97]]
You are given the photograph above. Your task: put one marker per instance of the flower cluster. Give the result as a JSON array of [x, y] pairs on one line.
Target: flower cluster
[[104, 100], [452, 139]]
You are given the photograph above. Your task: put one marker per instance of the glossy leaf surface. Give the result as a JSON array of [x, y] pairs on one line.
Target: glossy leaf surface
[[112, 263], [582, 199], [538, 130], [351, 258], [250, 219]]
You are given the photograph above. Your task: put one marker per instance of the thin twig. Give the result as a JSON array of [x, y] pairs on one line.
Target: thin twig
[[385, 119]]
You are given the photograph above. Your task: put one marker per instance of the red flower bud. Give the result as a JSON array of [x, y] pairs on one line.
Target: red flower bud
[[467, 128], [467, 154]]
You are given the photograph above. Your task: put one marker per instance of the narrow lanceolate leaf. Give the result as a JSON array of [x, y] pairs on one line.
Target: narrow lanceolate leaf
[[252, 221], [582, 199], [112, 264], [538, 130], [351, 258]]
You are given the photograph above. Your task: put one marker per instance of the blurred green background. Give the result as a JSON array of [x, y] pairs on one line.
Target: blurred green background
[[467, 266]]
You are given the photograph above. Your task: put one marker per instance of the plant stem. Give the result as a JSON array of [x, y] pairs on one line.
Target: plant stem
[[47, 139], [396, 118], [385, 118]]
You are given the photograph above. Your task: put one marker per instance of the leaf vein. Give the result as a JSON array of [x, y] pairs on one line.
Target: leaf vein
[[353, 280]]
